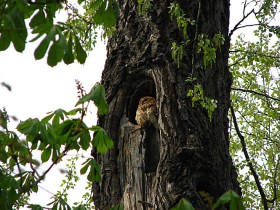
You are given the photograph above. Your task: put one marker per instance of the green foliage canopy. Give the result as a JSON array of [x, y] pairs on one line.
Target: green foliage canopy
[[67, 41]]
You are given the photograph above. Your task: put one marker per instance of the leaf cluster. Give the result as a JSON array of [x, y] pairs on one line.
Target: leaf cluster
[[61, 41], [197, 95], [230, 197], [254, 63], [53, 136]]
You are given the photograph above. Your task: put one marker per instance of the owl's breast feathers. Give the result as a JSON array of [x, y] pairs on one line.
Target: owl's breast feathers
[[146, 114]]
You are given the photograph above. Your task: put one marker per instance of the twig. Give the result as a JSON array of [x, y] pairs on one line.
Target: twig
[[274, 182], [42, 3], [237, 61], [249, 25], [252, 52], [236, 26], [256, 93], [25, 189], [34, 170], [248, 159]]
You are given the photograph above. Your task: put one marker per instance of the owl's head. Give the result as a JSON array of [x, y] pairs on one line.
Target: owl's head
[[147, 99]]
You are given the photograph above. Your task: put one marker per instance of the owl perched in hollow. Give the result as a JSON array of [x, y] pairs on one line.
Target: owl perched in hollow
[[146, 114]]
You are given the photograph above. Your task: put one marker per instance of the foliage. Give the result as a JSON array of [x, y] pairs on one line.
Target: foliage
[[177, 53], [54, 136], [254, 63], [209, 48], [197, 96], [67, 41], [144, 6], [177, 12], [234, 200], [255, 96], [204, 45]]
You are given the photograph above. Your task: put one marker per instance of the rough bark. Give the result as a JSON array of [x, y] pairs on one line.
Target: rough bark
[[153, 168]]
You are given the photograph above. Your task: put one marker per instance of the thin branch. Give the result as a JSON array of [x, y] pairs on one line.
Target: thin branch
[[34, 170], [248, 159], [256, 93], [236, 26], [274, 182], [249, 25], [244, 7], [42, 3], [256, 53], [25, 189], [237, 61]]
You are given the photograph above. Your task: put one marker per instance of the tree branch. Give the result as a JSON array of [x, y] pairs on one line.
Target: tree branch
[[252, 52], [256, 93], [248, 159], [42, 3], [249, 25], [236, 26], [274, 183], [40, 178]]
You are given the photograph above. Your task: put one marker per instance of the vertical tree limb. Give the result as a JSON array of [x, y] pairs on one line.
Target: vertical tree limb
[[248, 159]]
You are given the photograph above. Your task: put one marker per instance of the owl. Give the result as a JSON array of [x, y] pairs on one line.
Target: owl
[[146, 114]]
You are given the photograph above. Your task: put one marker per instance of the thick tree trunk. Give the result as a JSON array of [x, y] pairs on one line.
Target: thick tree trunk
[[186, 155]]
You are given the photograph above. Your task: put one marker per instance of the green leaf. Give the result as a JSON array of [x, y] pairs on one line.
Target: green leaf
[[43, 46], [55, 54], [230, 197], [65, 127], [38, 19], [95, 172], [69, 57], [80, 207], [97, 94], [3, 119], [85, 139], [56, 115], [94, 5], [106, 15], [18, 146], [80, 52], [41, 49], [80, 1], [183, 205], [55, 152], [63, 138], [41, 30], [5, 40], [117, 207], [35, 207], [35, 188], [29, 126], [102, 141], [18, 33], [46, 154], [57, 50], [3, 154], [74, 111], [47, 118], [85, 168]]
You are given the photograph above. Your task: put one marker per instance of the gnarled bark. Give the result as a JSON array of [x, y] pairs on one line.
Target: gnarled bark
[[153, 168]]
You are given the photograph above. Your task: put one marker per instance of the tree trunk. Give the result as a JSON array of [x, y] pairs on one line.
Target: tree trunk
[[186, 155]]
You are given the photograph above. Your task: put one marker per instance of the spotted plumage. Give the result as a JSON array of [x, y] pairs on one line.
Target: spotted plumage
[[146, 114]]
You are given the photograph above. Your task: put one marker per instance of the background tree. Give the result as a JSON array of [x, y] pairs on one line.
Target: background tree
[[159, 46], [254, 63]]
